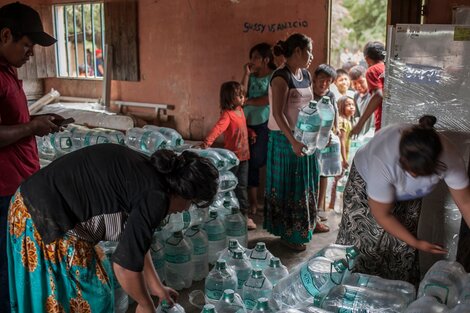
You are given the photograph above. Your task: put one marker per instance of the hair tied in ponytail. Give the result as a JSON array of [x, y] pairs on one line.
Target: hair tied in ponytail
[[164, 161], [427, 121]]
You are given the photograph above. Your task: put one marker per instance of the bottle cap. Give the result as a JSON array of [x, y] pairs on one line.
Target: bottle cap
[[262, 303], [213, 214], [274, 262], [260, 246], [237, 254], [229, 295], [256, 273], [221, 265]]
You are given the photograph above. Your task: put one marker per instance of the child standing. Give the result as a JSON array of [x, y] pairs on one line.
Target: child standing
[[346, 109], [232, 124], [256, 83]]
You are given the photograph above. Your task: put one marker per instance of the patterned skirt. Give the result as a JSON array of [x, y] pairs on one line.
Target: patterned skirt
[[380, 253], [67, 275], [290, 195]]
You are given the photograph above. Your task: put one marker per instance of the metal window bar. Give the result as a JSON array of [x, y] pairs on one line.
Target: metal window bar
[[66, 40], [75, 38], [85, 57], [57, 63], [93, 44]]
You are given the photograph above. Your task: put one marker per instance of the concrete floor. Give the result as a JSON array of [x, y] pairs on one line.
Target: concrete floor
[[288, 257]]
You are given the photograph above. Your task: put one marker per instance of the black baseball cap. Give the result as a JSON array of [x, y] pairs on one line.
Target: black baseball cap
[[26, 21]]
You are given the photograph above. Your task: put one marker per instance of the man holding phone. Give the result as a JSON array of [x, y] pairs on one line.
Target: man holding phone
[[20, 29]]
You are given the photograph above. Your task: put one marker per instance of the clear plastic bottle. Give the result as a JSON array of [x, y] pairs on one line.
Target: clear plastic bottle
[[185, 219], [114, 136], [216, 235], [327, 116], [242, 268], [262, 305], [464, 296], [209, 308], [174, 138], [461, 308], [230, 157], [337, 252], [403, 288], [164, 307], [144, 140], [200, 244], [233, 244], [307, 126], [227, 181], [260, 256], [220, 278], [444, 281], [45, 149], [235, 227], [426, 304], [224, 202], [179, 269], [312, 278], [61, 142], [230, 302], [275, 271], [256, 286], [84, 137], [344, 298], [330, 158], [340, 186], [213, 156], [157, 251]]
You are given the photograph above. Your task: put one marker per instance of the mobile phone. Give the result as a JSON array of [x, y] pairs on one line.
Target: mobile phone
[[64, 122]]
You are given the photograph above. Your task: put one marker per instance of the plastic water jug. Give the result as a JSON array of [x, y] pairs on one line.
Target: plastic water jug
[[255, 287], [157, 251], [200, 244], [260, 256], [164, 307], [217, 160], [337, 252], [230, 302], [146, 141], [219, 279], [308, 127], [231, 159], [209, 308], [275, 271], [227, 181], [83, 137], [185, 219], [233, 244], [340, 187], [330, 158], [174, 138], [235, 227], [224, 202], [216, 235], [179, 269], [45, 149], [242, 268], [61, 142], [327, 116], [262, 306], [426, 304]]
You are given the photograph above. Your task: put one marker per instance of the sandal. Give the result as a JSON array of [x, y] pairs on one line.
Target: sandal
[[299, 247]]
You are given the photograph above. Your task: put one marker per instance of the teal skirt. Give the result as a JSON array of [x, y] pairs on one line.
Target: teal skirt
[[290, 195], [67, 275]]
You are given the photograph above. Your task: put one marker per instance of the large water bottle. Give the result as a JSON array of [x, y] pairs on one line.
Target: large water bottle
[[227, 181], [404, 288], [464, 296], [460, 308], [144, 140], [260, 256], [61, 142], [185, 219], [235, 227], [344, 298], [84, 137], [330, 158], [242, 268], [224, 202], [217, 160], [157, 251], [337, 252], [312, 278], [327, 116], [275, 271], [256, 286], [308, 127], [114, 136], [340, 187], [179, 269], [164, 307], [219, 279], [233, 244], [45, 149], [200, 244], [174, 138], [444, 281], [262, 306], [230, 302], [216, 235], [209, 308], [121, 299], [426, 304], [231, 159]]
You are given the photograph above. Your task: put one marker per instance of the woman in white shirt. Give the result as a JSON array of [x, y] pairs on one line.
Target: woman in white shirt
[[382, 199]]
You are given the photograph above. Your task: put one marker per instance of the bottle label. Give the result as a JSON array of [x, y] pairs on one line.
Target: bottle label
[[308, 127], [348, 301], [307, 280], [236, 232], [158, 263], [216, 237], [255, 283], [65, 143], [198, 250], [254, 255], [363, 281], [326, 123], [438, 291], [177, 258]]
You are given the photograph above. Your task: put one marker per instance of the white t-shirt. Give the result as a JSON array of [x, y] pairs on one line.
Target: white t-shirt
[[378, 164]]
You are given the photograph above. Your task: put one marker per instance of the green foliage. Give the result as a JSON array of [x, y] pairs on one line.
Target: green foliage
[[86, 11], [367, 19]]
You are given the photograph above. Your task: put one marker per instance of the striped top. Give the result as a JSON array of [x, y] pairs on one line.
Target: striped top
[[300, 94], [102, 192]]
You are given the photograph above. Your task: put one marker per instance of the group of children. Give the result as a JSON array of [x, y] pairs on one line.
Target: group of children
[[245, 113]]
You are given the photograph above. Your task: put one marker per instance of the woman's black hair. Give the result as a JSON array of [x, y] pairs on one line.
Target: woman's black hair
[[374, 50], [286, 48], [265, 51], [228, 92], [421, 147], [187, 175]]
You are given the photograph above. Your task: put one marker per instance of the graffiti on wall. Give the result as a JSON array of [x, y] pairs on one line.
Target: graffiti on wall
[[275, 27]]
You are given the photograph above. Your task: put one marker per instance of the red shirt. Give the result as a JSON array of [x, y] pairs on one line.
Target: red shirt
[[375, 80], [20, 159], [232, 124]]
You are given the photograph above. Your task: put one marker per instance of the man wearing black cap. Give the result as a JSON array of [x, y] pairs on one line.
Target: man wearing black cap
[[20, 29]]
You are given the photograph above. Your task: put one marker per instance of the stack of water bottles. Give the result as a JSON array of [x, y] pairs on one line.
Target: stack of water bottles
[[151, 138], [75, 137]]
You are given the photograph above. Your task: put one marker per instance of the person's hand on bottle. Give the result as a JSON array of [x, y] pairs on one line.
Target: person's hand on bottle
[[299, 148], [426, 246], [166, 293], [145, 309]]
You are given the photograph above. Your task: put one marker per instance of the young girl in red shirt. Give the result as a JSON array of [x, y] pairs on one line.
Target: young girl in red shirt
[[232, 124]]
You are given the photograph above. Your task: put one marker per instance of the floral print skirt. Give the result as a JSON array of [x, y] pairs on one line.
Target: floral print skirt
[[67, 275], [290, 195]]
